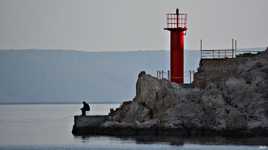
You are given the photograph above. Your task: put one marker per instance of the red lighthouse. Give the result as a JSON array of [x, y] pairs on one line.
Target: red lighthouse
[[177, 25]]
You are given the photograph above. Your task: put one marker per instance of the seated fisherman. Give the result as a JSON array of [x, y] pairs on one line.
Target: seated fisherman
[[85, 108]]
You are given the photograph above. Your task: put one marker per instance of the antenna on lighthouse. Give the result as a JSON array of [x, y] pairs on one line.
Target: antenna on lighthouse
[[177, 11], [177, 17]]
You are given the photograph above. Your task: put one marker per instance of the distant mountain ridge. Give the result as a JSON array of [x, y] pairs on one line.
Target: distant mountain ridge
[[59, 76], [70, 76]]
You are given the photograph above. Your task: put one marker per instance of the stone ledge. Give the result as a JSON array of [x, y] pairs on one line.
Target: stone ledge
[[89, 121]]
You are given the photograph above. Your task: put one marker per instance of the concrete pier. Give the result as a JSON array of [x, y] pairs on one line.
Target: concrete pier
[[82, 123]]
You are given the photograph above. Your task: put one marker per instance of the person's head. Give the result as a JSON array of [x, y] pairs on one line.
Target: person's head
[[84, 102]]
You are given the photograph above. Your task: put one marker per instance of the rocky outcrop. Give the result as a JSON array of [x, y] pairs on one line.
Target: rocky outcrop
[[230, 96]]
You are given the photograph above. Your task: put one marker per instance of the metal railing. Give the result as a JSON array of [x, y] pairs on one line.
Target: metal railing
[[217, 53], [161, 74], [188, 75]]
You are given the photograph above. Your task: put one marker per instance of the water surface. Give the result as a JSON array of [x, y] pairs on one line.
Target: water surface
[[48, 126]]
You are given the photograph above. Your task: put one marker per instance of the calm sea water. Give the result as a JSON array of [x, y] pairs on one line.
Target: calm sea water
[[48, 126]]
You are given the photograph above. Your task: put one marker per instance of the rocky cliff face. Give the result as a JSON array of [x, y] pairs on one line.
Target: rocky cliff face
[[228, 94]]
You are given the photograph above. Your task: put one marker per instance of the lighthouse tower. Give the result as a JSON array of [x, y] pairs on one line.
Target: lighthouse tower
[[177, 25]]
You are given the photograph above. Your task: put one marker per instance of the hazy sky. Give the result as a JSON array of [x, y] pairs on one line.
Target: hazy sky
[[105, 25]]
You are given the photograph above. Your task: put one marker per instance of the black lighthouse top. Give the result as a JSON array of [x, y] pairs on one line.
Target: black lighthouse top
[[176, 21]]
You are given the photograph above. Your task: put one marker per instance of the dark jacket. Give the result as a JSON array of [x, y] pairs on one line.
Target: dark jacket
[[86, 106]]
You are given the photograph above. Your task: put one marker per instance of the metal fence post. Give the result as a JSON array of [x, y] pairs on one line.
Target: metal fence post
[[201, 48]]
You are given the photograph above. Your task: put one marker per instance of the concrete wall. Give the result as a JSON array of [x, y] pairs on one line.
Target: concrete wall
[[89, 121]]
